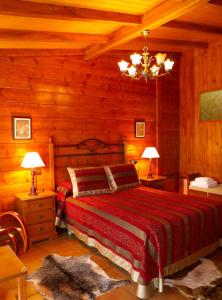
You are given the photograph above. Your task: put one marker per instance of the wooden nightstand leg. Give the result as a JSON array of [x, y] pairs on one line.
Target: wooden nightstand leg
[[21, 288]]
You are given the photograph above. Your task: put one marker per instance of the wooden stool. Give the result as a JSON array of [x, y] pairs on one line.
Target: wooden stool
[[12, 268]]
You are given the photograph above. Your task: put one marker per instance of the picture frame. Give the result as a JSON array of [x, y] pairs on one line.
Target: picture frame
[[22, 128], [140, 129]]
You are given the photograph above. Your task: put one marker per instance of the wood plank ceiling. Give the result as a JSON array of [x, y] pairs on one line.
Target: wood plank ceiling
[[93, 27]]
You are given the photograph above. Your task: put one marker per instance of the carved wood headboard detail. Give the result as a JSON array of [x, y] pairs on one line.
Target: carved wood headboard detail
[[90, 152]]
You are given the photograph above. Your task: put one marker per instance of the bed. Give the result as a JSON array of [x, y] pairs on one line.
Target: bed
[[150, 233]]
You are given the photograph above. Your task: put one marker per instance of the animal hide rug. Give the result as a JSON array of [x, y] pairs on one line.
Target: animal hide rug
[[72, 278], [202, 283]]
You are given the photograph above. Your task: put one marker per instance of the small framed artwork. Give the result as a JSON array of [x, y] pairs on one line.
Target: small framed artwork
[[140, 129], [22, 128]]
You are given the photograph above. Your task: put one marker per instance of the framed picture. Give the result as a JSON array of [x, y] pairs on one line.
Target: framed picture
[[21, 128], [140, 129], [211, 105]]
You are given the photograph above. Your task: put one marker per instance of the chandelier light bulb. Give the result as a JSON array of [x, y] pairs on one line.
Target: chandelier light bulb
[[136, 58], [123, 65], [155, 70], [160, 58], [132, 71], [168, 64]]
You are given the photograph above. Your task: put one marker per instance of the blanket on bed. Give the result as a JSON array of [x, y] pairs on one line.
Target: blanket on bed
[[63, 191], [151, 229]]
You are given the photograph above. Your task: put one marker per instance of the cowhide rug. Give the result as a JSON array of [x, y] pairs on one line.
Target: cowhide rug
[[72, 278], [202, 283]]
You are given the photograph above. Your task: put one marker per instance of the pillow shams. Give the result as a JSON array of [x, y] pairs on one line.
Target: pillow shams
[[122, 176], [89, 181]]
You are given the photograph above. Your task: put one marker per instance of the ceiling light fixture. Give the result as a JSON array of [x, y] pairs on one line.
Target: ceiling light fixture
[[146, 66]]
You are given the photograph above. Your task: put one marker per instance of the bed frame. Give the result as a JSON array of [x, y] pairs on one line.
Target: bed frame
[[87, 153]]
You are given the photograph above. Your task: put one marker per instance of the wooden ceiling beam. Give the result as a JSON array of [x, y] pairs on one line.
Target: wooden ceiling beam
[[125, 54], [208, 14], [40, 52], [58, 12], [159, 15], [159, 44], [194, 27], [216, 2], [39, 36], [176, 43], [19, 44]]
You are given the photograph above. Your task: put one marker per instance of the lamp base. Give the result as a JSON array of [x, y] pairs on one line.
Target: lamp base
[[33, 194], [33, 190], [150, 174]]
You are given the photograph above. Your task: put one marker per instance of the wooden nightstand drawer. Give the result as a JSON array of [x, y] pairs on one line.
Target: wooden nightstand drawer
[[40, 216], [39, 204], [157, 184], [39, 229]]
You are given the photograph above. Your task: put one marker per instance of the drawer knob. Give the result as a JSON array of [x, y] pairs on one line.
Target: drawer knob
[[41, 228], [40, 217], [39, 204]]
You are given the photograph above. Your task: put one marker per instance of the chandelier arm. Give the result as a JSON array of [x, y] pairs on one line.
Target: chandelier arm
[[159, 75], [150, 59], [132, 77]]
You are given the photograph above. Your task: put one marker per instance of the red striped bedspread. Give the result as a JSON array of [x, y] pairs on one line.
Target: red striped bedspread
[[149, 228]]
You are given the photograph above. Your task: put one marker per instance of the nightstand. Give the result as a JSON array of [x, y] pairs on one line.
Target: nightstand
[[156, 182], [39, 214]]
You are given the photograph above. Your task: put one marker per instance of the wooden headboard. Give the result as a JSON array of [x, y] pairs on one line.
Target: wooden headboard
[[90, 152]]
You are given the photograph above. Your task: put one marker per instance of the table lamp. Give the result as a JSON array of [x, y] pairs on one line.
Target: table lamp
[[31, 161], [150, 152]]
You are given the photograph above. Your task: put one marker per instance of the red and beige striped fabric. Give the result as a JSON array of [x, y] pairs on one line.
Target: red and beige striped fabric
[[122, 176], [89, 181], [151, 229]]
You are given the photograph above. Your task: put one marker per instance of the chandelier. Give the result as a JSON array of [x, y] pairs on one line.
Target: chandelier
[[146, 66]]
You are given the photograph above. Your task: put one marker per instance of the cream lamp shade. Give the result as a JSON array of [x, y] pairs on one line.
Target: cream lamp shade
[[150, 152], [32, 160]]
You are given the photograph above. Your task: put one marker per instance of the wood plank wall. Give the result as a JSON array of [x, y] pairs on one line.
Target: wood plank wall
[[200, 142], [71, 100], [168, 129]]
